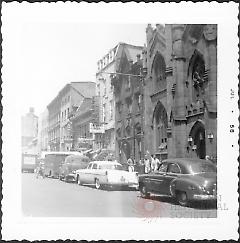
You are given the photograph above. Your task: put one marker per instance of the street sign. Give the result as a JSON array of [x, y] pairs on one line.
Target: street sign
[[93, 128]]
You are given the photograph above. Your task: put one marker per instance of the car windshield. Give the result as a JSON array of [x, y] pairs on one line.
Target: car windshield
[[110, 167], [202, 168]]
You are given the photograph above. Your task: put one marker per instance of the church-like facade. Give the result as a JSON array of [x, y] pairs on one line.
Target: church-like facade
[[180, 91]]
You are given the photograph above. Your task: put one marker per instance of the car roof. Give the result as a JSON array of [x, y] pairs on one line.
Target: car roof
[[105, 162], [74, 156], [184, 161]]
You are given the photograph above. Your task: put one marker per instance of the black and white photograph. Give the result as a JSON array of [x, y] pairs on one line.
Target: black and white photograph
[[119, 118]]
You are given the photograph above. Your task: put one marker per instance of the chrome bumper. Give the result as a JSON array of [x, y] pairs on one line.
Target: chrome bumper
[[204, 197]]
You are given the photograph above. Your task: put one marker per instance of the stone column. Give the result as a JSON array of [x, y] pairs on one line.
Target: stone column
[[179, 114], [169, 80], [210, 35]]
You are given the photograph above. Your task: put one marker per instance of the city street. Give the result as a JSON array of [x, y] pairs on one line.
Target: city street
[[54, 198]]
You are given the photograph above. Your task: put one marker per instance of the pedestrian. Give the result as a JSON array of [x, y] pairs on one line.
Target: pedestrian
[[130, 165], [158, 163], [155, 163], [147, 164]]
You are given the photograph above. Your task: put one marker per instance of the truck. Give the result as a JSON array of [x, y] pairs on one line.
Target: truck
[[53, 160], [29, 162]]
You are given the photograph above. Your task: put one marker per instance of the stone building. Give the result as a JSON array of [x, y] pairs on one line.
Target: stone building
[[181, 91], [87, 115], [43, 131], [107, 65], [63, 106], [29, 127], [128, 91]]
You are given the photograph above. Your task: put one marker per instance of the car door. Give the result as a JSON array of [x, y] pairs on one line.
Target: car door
[[93, 173], [85, 174], [157, 179], [173, 172]]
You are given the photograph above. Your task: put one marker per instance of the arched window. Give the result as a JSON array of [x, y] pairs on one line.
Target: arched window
[[159, 68], [198, 76], [160, 126]]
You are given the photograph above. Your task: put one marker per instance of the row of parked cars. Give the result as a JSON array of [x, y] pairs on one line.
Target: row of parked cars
[[183, 179]]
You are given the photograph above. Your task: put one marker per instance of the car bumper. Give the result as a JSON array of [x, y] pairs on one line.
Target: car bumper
[[127, 184], [204, 197], [71, 177]]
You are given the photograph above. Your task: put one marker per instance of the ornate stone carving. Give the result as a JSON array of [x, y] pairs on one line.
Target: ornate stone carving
[[210, 32]]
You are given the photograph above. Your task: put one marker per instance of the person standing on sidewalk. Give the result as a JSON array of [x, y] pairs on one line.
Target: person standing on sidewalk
[[147, 164]]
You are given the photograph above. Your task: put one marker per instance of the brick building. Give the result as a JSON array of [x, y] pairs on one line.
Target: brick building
[[86, 114], [181, 91], [128, 91], [109, 64], [63, 106]]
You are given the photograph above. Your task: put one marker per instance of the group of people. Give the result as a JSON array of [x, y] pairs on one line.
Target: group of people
[[148, 164]]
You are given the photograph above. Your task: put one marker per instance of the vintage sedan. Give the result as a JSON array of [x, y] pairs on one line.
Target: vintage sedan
[[72, 163], [184, 179], [106, 173]]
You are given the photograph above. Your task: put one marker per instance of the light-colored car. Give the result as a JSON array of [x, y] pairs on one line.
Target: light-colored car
[[106, 173]]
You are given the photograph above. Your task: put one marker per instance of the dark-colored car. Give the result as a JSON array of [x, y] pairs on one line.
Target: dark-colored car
[[70, 165], [185, 179]]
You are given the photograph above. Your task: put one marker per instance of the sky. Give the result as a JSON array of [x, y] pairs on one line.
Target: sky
[[50, 53], [53, 54]]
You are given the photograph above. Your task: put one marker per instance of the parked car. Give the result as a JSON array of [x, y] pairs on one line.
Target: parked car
[[106, 173], [53, 160], [70, 165], [184, 179]]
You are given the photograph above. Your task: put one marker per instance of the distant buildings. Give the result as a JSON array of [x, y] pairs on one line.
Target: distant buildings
[[43, 131], [29, 127], [107, 65], [86, 116], [63, 106]]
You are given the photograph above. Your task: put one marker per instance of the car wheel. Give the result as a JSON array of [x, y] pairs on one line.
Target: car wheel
[[97, 184], [79, 181], [144, 192], [182, 198]]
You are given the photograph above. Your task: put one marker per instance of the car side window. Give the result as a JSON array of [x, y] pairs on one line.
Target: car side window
[[163, 168], [174, 168], [94, 166]]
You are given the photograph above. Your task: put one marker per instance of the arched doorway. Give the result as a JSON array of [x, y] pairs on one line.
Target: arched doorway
[[160, 128], [198, 135]]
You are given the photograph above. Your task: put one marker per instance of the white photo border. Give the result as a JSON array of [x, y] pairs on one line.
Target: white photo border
[[225, 226]]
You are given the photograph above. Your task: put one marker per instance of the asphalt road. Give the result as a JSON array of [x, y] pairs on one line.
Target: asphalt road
[[53, 198]]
